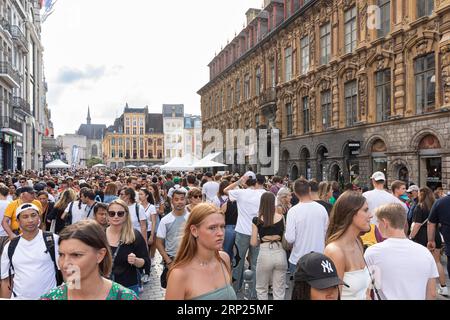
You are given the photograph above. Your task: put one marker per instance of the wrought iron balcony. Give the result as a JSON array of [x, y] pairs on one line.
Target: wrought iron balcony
[[21, 105], [9, 124], [8, 74], [18, 36], [268, 97]]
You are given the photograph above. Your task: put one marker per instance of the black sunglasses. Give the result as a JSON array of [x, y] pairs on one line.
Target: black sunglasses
[[112, 214], [197, 197]]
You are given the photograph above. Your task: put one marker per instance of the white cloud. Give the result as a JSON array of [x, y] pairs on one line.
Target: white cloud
[[137, 51]]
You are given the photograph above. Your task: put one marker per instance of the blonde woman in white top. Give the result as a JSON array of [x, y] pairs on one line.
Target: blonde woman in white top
[[350, 218]]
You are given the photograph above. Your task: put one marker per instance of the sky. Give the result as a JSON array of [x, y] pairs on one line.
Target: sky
[[143, 52]]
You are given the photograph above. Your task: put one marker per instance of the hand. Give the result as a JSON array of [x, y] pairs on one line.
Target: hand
[[150, 241], [431, 245], [13, 237], [132, 259]]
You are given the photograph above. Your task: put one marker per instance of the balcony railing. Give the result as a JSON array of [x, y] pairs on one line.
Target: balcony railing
[[8, 122], [11, 76], [21, 105], [269, 96], [19, 37]]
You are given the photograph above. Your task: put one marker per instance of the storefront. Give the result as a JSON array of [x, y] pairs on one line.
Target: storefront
[[430, 162], [379, 158]]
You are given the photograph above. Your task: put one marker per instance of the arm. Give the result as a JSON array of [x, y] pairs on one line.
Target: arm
[[431, 289], [254, 238], [224, 207], [7, 228], [176, 285], [235, 184], [338, 258], [5, 292], [162, 250], [431, 230], [152, 238], [290, 233], [143, 224]]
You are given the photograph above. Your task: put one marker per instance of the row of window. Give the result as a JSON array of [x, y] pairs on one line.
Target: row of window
[[150, 141], [120, 154], [425, 89], [216, 104]]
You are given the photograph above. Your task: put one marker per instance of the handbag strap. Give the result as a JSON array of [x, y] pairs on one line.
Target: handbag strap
[[372, 280]]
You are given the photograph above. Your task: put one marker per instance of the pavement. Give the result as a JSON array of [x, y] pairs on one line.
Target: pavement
[[153, 290]]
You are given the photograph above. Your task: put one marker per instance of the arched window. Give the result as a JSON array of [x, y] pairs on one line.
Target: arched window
[[94, 152]]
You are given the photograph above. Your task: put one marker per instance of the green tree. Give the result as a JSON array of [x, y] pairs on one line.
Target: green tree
[[93, 161]]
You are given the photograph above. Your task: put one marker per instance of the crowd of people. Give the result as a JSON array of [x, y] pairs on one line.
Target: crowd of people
[[93, 235]]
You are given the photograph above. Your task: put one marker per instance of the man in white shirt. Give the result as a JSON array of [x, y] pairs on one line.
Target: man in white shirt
[[210, 188], [248, 201], [379, 196], [77, 210], [306, 225], [31, 271], [402, 269]]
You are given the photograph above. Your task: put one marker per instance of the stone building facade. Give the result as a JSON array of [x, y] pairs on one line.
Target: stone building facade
[[136, 138], [353, 87]]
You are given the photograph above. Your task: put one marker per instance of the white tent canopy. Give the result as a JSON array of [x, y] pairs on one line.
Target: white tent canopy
[[130, 167], [205, 163], [211, 156], [57, 164], [177, 163], [100, 165], [144, 166]]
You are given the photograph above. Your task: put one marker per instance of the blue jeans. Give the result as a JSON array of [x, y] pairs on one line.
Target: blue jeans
[[228, 242], [292, 268], [242, 242]]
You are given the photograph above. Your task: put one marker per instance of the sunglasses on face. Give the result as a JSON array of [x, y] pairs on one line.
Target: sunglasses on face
[[112, 214], [196, 197]]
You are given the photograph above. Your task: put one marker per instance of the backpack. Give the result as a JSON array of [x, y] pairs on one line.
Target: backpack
[[49, 244], [137, 214]]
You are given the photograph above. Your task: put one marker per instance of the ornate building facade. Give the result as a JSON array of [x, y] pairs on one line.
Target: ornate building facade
[[136, 138], [353, 86]]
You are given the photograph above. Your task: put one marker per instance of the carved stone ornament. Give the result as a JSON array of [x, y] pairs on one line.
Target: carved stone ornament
[[362, 83], [445, 57]]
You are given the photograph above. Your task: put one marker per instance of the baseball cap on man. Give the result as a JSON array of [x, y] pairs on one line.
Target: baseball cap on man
[[25, 207], [318, 271], [378, 176], [413, 188], [251, 175]]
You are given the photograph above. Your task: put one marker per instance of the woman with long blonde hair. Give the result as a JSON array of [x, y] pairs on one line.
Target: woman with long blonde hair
[[55, 217], [127, 245], [201, 271], [350, 218]]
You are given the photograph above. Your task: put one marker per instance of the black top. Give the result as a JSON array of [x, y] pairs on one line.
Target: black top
[[294, 199], [56, 214], [124, 273], [231, 214], [277, 229], [419, 216], [325, 204]]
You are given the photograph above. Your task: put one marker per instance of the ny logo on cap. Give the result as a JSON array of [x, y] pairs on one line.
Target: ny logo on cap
[[326, 265]]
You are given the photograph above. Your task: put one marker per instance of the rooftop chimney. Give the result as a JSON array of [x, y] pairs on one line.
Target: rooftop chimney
[[252, 14]]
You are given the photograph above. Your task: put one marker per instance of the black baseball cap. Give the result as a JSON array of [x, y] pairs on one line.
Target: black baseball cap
[[318, 271]]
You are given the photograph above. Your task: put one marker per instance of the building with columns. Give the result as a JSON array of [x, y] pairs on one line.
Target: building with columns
[[353, 90], [136, 138]]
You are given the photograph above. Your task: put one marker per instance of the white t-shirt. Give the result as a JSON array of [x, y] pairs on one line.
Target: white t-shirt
[[306, 228], [10, 198], [401, 268], [78, 213], [3, 205], [51, 198], [149, 211], [134, 221], [377, 198], [248, 201], [34, 271], [210, 189]]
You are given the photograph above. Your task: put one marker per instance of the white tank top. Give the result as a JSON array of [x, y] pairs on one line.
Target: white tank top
[[358, 282]]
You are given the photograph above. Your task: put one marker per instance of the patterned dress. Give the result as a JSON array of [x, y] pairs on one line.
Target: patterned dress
[[117, 292]]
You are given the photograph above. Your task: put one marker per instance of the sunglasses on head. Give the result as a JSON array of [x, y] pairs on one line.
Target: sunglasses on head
[[112, 214]]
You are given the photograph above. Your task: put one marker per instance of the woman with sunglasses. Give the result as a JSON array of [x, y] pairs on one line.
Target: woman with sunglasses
[[127, 245], [85, 262], [194, 198]]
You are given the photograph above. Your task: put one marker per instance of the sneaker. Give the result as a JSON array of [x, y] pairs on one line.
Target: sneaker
[[145, 279], [443, 291]]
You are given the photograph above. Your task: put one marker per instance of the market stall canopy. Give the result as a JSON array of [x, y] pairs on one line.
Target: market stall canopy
[[100, 165], [57, 164]]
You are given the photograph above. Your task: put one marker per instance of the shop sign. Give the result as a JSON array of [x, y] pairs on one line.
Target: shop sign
[[7, 138]]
